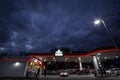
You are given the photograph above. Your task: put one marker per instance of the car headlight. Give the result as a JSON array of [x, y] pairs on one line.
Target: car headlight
[[108, 71], [65, 73]]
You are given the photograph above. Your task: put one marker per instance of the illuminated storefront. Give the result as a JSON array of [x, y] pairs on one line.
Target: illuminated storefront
[[58, 60]]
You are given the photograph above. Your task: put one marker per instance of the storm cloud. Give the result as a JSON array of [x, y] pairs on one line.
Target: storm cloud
[[39, 25]]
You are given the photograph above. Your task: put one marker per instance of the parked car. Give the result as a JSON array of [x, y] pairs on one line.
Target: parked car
[[113, 72], [64, 73], [83, 72]]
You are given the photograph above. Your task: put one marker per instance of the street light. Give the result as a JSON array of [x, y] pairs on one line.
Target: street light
[[97, 22]]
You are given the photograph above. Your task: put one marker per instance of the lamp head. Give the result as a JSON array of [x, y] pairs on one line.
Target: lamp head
[[97, 21]]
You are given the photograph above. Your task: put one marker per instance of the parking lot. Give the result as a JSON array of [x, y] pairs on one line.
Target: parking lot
[[71, 77]]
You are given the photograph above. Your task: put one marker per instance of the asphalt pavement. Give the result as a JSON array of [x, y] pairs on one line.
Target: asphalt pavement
[[71, 77]]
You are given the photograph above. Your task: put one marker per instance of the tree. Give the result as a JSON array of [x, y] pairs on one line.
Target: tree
[[53, 50]]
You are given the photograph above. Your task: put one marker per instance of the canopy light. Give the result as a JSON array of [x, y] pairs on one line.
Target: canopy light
[[116, 56], [99, 54]]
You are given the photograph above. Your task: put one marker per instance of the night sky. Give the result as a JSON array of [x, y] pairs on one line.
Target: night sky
[[39, 25]]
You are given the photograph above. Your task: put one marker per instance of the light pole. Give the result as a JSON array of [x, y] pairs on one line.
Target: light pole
[[97, 22]]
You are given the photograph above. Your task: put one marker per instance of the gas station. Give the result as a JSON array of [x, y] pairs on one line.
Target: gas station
[[73, 62]]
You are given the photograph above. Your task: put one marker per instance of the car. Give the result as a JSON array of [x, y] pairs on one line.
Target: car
[[116, 71], [113, 72], [108, 72], [82, 72], [64, 74]]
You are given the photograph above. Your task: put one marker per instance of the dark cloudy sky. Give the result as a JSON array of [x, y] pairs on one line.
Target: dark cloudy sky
[[39, 25]]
